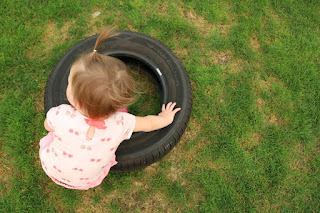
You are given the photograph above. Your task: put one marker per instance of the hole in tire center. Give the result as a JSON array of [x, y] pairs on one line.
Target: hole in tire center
[[149, 100]]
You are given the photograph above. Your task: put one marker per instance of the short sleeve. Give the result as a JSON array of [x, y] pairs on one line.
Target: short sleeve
[[129, 121], [52, 116]]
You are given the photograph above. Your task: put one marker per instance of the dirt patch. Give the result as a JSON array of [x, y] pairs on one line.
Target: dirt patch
[[162, 7], [6, 171], [206, 27], [269, 117], [132, 28], [94, 21], [221, 58], [223, 29], [260, 103], [260, 85], [265, 85], [128, 202], [152, 170], [56, 35], [181, 47], [253, 141], [235, 66], [255, 43], [52, 36], [182, 53], [39, 101], [179, 155], [200, 22], [176, 174], [222, 166], [272, 118], [96, 24], [299, 158], [226, 60], [88, 205], [153, 203]]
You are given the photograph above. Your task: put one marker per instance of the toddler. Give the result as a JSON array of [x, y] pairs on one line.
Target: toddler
[[80, 148]]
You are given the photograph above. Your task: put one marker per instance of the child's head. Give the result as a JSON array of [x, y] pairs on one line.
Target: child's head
[[100, 85]]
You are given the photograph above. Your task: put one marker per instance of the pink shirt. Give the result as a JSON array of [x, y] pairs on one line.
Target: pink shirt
[[72, 159]]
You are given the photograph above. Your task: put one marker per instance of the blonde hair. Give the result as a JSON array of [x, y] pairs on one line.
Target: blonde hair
[[101, 85]]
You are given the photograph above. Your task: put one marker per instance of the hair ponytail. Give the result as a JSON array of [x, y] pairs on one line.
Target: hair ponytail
[[101, 84], [105, 34]]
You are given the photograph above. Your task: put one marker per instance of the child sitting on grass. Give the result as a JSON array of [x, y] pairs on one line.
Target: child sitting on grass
[[80, 148]]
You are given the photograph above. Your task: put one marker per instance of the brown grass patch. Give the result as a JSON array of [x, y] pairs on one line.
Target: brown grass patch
[[182, 53], [152, 170], [96, 24], [265, 86], [226, 60], [221, 58], [250, 143], [181, 47], [269, 117], [260, 103], [6, 171], [255, 43], [56, 35], [132, 28], [162, 7], [155, 203], [299, 158], [200, 22], [52, 36], [222, 166], [130, 201], [206, 27], [235, 66], [178, 154], [88, 205], [272, 118], [39, 101]]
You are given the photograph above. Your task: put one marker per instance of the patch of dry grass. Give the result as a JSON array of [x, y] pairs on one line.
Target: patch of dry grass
[[250, 143], [255, 44], [6, 172], [129, 201], [270, 116]]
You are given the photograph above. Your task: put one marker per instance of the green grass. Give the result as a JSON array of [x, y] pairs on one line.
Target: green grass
[[252, 143], [148, 95]]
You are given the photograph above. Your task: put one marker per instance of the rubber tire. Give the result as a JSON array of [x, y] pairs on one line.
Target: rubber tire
[[161, 64]]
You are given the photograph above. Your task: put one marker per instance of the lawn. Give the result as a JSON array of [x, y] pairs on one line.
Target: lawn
[[252, 143]]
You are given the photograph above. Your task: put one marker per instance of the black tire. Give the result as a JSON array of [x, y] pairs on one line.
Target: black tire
[[157, 60]]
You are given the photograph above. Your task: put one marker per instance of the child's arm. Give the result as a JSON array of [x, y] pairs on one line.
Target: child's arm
[[48, 128], [153, 122]]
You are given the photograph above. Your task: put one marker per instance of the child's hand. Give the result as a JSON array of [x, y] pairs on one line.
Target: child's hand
[[168, 113], [153, 122]]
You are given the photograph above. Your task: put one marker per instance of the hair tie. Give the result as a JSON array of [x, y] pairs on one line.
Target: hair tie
[[94, 50]]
